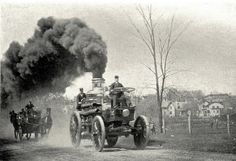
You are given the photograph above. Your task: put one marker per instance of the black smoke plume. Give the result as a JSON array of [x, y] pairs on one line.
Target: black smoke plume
[[59, 51]]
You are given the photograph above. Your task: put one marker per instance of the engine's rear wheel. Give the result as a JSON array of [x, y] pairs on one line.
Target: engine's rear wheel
[[111, 141], [75, 129], [141, 137], [98, 133]]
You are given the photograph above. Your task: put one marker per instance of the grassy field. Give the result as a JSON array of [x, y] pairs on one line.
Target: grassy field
[[214, 143], [204, 137]]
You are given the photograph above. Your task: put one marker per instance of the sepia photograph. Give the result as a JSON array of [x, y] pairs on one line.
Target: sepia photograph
[[131, 80]]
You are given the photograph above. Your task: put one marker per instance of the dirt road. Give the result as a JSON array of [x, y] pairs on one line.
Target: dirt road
[[44, 151], [57, 147]]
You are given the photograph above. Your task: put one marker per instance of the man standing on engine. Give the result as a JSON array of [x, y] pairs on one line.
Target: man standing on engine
[[116, 83], [80, 97], [115, 94]]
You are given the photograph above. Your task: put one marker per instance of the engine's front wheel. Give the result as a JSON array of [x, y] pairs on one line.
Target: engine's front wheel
[[75, 129], [98, 133], [141, 137]]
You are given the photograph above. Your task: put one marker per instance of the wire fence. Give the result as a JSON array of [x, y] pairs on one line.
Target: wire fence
[[196, 126]]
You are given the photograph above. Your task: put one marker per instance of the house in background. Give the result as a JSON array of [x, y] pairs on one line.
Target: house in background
[[174, 109], [210, 109], [214, 105], [180, 108], [168, 109]]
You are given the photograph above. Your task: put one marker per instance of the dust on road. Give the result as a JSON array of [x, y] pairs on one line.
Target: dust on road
[[124, 151]]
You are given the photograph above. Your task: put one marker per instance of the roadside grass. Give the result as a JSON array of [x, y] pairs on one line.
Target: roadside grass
[[203, 138]]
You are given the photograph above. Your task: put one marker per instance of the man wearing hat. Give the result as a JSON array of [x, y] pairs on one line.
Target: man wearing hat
[[29, 109], [115, 94], [116, 83], [80, 97]]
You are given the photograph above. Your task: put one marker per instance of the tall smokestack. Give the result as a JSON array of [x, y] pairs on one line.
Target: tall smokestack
[[98, 85]]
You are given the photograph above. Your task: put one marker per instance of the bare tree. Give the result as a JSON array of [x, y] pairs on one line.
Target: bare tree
[[159, 44]]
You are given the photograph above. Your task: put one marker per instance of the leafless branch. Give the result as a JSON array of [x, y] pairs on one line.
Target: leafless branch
[[149, 68], [141, 36]]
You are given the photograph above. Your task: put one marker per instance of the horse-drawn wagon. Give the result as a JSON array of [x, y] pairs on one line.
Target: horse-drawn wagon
[[26, 124]]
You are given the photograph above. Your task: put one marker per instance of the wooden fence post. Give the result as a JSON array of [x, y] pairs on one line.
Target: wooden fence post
[[228, 125], [163, 124], [189, 123]]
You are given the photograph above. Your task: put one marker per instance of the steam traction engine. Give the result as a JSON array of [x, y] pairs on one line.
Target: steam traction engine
[[100, 121]]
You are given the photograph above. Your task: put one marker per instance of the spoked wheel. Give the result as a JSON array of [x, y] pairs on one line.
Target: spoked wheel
[[141, 137], [75, 129], [98, 133], [111, 141], [28, 136], [20, 134]]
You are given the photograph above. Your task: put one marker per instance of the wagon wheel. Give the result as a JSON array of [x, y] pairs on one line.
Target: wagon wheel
[[98, 133], [111, 141], [141, 137], [20, 133], [75, 129], [28, 136]]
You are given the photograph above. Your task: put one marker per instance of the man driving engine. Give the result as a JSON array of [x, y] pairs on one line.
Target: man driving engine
[[80, 97], [117, 96]]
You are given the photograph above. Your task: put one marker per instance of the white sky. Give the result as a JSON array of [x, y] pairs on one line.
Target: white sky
[[207, 49]]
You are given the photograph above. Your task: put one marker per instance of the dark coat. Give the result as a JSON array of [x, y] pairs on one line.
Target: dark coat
[[115, 84], [29, 106], [80, 97]]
